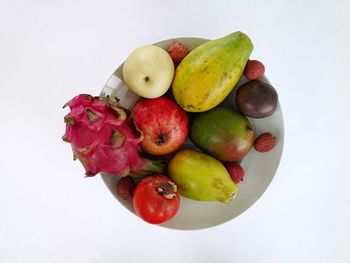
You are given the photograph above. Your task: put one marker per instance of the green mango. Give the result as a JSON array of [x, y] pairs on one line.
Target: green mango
[[201, 177], [223, 133]]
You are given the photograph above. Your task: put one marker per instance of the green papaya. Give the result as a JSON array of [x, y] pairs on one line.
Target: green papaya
[[201, 177], [209, 72], [223, 133]]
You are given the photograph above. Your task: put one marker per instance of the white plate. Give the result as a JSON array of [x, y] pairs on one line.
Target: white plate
[[259, 168]]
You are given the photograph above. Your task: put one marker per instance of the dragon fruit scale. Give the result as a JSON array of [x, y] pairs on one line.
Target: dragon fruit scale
[[102, 139]]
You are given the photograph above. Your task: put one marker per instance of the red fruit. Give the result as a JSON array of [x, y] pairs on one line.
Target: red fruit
[[177, 52], [265, 142], [156, 199], [125, 187], [254, 69], [164, 125], [236, 171], [102, 139]]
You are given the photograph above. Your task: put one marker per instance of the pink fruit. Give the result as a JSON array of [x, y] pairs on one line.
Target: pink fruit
[[125, 187], [102, 139], [265, 142], [236, 171], [177, 52], [164, 125], [254, 69]]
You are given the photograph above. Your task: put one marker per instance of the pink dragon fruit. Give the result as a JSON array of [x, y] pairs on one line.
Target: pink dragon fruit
[[103, 140]]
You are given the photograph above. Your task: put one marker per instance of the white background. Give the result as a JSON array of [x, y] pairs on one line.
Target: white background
[[53, 50]]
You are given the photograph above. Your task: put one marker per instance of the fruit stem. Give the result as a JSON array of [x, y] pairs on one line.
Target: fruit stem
[[151, 167], [167, 190]]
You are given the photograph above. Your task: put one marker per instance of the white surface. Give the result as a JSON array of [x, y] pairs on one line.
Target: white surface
[[53, 50]]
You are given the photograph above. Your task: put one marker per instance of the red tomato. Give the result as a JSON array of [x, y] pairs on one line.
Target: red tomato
[[156, 199]]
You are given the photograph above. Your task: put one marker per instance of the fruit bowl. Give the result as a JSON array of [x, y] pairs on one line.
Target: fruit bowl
[[259, 168]]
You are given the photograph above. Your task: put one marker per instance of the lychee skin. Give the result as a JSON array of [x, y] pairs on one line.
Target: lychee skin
[[125, 187], [177, 52], [236, 171], [254, 69], [265, 142]]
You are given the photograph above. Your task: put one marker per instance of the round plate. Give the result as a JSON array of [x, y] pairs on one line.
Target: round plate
[[259, 168]]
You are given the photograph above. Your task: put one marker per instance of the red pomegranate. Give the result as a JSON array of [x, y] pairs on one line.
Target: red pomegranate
[[164, 125]]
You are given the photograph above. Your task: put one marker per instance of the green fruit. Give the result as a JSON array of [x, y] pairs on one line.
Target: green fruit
[[209, 72], [256, 99], [201, 177], [223, 133]]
